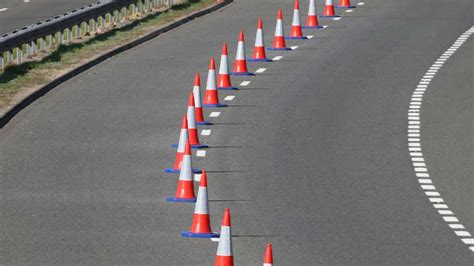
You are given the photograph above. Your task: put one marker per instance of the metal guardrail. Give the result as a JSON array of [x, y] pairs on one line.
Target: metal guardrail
[[63, 29]]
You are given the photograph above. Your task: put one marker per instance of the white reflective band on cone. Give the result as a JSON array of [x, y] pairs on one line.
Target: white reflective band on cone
[[225, 243], [201, 202], [186, 173]]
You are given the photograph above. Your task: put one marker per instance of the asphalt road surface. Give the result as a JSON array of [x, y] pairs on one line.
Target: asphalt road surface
[[311, 156], [15, 14]]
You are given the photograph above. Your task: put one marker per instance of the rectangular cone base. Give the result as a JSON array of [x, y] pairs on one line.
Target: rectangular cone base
[[173, 199], [177, 171], [199, 235], [279, 49]]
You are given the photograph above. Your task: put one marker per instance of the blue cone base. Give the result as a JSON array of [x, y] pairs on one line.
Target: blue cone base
[[206, 235], [177, 171], [228, 88], [336, 16], [279, 49], [214, 105], [313, 27], [204, 123], [194, 146], [259, 60], [173, 199], [345, 6], [296, 38], [242, 74]]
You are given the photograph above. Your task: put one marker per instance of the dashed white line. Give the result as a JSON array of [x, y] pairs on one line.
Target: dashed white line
[[245, 83], [338, 18], [215, 114], [3, 9], [294, 47], [201, 153], [197, 177], [276, 58], [260, 70], [349, 11], [229, 98], [360, 3], [414, 144], [310, 37], [206, 132]]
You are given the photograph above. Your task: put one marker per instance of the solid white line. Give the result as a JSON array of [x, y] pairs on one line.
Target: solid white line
[[260, 70], [229, 98], [245, 83], [206, 132], [215, 114], [201, 153], [276, 58], [294, 47]]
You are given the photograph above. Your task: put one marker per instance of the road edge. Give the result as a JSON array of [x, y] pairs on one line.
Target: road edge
[[41, 91]]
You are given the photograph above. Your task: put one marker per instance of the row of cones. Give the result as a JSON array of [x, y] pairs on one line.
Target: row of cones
[[189, 139]]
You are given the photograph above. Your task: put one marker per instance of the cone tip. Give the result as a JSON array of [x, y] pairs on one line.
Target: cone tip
[[268, 254], [191, 99], [280, 14], [241, 36], [297, 4], [224, 49], [260, 23], [187, 150], [197, 79], [203, 182], [184, 124], [226, 218], [212, 64]]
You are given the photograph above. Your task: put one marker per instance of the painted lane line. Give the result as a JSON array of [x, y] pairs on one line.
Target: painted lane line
[[201, 153], [360, 3], [3, 9], [294, 47], [338, 18], [245, 83], [206, 132], [325, 26], [197, 177], [310, 37], [229, 98], [349, 11], [215, 114], [277, 58], [260, 70], [414, 144]]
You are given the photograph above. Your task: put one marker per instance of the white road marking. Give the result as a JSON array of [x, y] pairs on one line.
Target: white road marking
[[349, 11], [229, 98], [245, 83], [338, 18], [414, 143], [260, 70], [206, 132], [215, 114], [201, 153], [215, 239], [310, 37], [360, 3], [26, 1], [3, 9], [294, 47], [325, 26], [276, 58], [197, 177]]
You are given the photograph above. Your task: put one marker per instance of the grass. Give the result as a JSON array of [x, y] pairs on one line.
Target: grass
[[33, 74]]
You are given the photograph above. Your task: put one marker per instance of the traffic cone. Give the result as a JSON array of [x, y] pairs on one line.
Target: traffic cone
[[197, 101], [211, 97], [240, 64], [201, 226], [224, 249], [296, 33], [268, 258], [183, 137], [345, 4], [312, 20], [279, 39], [192, 130], [185, 189], [259, 49], [223, 79], [329, 10]]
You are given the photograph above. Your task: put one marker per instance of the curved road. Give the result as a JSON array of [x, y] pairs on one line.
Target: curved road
[[15, 14], [312, 155]]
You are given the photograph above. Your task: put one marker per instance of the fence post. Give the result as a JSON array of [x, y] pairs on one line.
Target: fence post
[[19, 55]]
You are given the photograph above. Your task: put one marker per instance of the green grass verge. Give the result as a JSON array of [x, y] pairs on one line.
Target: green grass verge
[[18, 78]]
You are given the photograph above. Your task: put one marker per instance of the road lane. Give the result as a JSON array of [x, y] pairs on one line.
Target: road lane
[[311, 155]]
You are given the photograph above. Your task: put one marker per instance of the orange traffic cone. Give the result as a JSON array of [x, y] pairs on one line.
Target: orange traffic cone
[[268, 258], [312, 20], [240, 64], [329, 10], [296, 32], [211, 97], [224, 255], [279, 39], [197, 101], [223, 79], [192, 130], [201, 226], [185, 189], [345, 4], [259, 54]]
